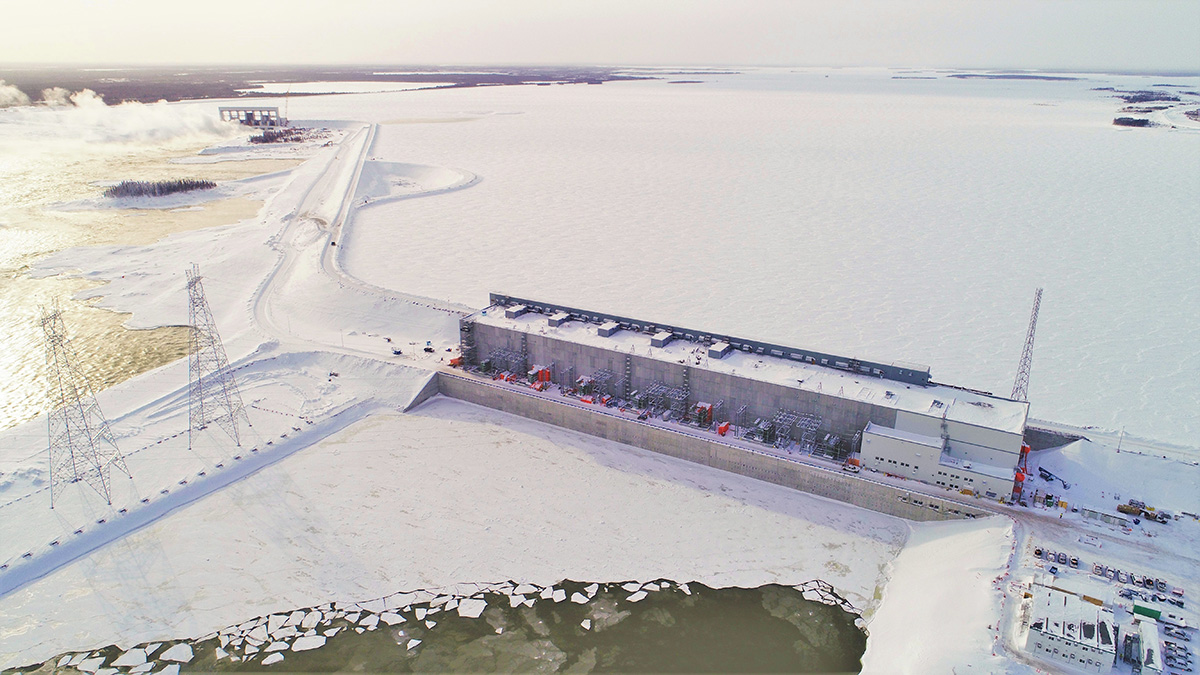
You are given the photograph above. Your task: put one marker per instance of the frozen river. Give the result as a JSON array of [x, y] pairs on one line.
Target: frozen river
[[838, 210]]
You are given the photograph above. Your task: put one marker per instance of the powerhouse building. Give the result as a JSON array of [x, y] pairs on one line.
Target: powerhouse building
[[892, 414], [1065, 629]]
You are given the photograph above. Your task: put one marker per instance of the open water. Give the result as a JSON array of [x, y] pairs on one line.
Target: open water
[[698, 630]]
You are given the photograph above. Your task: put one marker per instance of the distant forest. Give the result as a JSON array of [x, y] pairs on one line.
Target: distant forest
[[150, 84], [161, 188]]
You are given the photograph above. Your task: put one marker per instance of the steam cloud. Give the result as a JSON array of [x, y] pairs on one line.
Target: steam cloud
[[11, 96], [56, 96], [84, 116]]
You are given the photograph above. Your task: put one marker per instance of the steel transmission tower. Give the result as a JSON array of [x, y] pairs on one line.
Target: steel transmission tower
[[212, 392], [1020, 390], [81, 443]]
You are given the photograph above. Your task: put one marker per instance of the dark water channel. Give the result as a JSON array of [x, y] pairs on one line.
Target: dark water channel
[[571, 627]]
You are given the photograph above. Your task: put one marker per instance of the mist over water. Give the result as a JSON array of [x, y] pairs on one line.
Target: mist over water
[[55, 154]]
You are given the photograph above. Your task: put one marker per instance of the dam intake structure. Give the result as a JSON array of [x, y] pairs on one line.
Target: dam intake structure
[[879, 435]]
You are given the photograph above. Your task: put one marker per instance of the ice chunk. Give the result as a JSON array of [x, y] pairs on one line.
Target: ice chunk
[[252, 649], [332, 631], [107, 671], [373, 605], [370, 621], [144, 668], [685, 589], [294, 618], [651, 586], [151, 648], [259, 634], [77, 659], [172, 669], [591, 590], [546, 593], [632, 586], [636, 596], [451, 605], [133, 657], [471, 608], [586, 623], [311, 620], [430, 624], [353, 617], [559, 595], [514, 600], [277, 646], [285, 632], [398, 600], [91, 665], [528, 602], [421, 612], [391, 618], [63, 661], [273, 658], [220, 653], [358, 629], [275, 622], [306, 643], [181, 652], [413, 643], [578, 598], [526, 589]]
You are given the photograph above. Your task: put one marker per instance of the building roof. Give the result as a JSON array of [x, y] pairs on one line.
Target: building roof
[[1066, 616], [908, 436], [959, 405], [1151, 644], [1002, 472]]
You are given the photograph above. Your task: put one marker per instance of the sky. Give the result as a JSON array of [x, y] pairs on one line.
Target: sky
[[1125, 35]]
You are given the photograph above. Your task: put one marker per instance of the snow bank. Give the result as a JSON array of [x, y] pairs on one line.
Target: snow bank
[[453, 493], [940, 609], [1101, 477], [387, 180]]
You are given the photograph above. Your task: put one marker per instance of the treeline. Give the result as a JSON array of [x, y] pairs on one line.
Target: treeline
[[159, 188]]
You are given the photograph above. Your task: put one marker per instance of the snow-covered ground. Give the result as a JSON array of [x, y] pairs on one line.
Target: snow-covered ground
[[943, 584], [644, 199]]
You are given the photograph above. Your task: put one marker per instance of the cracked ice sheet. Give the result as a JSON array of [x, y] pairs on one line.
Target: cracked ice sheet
[[341, 519]]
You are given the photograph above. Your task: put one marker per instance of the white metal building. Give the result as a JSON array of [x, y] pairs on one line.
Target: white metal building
[[1065, 629], [1152, 657], [959, 443]]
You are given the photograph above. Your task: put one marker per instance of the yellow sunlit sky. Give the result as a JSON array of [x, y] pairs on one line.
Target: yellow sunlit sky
[[1162, 35]]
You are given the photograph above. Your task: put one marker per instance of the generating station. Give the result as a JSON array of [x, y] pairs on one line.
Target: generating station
[[794, 404]]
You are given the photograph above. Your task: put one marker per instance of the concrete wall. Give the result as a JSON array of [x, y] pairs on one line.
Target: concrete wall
[[599, 422], [841, 416], [1041, 439], [967, 441]]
